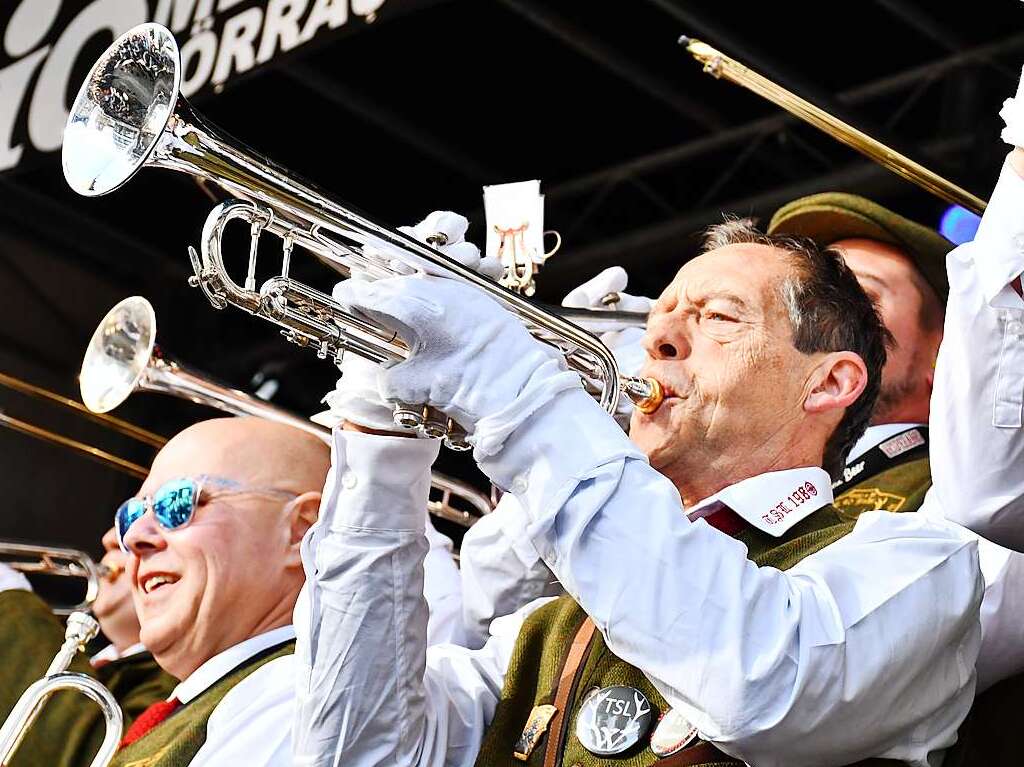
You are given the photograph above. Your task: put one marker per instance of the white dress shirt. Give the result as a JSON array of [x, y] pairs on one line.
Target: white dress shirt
[[823, 664], [865, 648], [111, 653], [1002, 630], [252, 725], [876, 435]]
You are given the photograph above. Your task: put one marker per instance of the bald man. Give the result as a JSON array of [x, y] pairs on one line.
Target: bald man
[[213, 563]]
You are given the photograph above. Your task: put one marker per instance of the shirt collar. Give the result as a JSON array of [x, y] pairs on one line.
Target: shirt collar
[[772, 502], [874, 436], [225, 662], [110, 653]]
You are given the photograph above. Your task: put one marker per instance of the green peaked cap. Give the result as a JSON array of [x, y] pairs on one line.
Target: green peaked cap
[[832, 216]]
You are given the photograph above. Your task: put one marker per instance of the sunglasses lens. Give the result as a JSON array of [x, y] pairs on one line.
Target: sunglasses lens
[[174, 503], [127, 513]]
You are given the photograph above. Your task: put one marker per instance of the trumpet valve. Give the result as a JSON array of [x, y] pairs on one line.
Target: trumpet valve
[[435, 424], [645, 393], [408, 416], [456, 439]]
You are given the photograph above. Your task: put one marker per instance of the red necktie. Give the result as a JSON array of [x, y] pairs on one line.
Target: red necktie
[[725, 519], [149, 719]]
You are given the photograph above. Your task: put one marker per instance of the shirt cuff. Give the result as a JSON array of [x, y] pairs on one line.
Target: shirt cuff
[[556, 448], [377, 482], [12, 580], [1000, 239]]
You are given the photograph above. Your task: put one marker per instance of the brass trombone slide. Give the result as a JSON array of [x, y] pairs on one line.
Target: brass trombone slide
[[123, 357], [720, 66], [53, 560]]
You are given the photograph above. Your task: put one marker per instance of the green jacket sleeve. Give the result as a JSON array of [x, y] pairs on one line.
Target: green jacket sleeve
[[70, 727]]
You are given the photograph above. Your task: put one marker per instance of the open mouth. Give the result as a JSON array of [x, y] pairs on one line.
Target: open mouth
[[155, 581]]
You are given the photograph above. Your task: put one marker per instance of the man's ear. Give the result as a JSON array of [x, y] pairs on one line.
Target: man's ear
[[302, 515], [836, 383]]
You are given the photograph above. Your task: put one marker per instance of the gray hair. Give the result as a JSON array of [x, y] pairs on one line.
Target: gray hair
[[828, 312]]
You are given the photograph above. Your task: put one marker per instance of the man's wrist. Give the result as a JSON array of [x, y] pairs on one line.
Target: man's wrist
[[378, 482]]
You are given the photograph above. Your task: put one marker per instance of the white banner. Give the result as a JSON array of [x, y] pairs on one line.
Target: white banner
[[48, 46]]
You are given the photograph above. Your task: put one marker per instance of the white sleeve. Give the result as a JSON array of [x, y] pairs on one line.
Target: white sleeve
[[977, 443], [500, 568], [825, 663], [364, 692], [443, 590], [1002, 630]]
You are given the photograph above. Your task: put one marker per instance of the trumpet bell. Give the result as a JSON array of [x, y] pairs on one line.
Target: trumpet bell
[[118, 354], [121, 110]]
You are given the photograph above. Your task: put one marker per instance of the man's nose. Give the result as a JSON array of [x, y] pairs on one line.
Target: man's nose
[[666, 337], [145, 535]]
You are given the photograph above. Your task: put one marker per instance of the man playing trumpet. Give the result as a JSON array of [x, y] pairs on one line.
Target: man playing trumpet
[[839, 641]]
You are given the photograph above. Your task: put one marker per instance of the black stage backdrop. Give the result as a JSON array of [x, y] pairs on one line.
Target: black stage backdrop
[[403, 107]]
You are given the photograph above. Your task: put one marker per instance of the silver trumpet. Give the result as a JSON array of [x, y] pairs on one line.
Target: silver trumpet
[[53, 560], [129, 114], [599, 321], [123, 357], [80, 629]]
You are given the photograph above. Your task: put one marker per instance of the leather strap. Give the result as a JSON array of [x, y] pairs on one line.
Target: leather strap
[[703, 753], [567, 681]]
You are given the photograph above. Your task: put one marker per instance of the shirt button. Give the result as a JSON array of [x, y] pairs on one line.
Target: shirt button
[[519, 484], [348, 480]]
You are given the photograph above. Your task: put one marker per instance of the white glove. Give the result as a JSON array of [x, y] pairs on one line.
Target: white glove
[[625, 344], [355, 397], [453, 227], [1013, 115], [470, 358]]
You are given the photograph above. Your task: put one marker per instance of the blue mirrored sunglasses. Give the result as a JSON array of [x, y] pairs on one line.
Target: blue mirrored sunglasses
[[174, 503]]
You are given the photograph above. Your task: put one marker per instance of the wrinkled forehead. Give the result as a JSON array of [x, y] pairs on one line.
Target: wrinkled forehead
[[751, 273]]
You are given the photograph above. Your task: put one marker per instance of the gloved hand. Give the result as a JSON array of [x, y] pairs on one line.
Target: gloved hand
[[1013, 115], [470, 358], [625, 344], [355, 397], [452, 227]]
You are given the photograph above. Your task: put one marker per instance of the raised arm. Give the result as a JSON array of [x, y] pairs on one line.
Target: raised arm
[[501, 570], [365, 693], [977, 439]]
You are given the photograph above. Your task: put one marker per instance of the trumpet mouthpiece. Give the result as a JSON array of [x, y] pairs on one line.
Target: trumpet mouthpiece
[[645, 393], [110, 572]]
